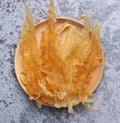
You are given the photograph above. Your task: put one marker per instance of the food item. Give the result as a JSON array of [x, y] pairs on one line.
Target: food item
[[58, 69]]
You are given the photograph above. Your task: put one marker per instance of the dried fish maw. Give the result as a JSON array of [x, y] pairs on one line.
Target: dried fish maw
[[58, 70]]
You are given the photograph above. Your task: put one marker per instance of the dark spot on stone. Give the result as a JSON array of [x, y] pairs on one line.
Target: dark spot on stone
[[11, 33], [0, 27], [10, 103], [12, 46], [18, 26], [1, 62], [21, 0], [13, 72], [8, 4], [2, 41], [1, 73], [11, 95], [10, 60], [10, 89], [8, 10]]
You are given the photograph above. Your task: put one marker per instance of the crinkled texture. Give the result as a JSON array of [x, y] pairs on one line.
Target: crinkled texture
[[57, 72]]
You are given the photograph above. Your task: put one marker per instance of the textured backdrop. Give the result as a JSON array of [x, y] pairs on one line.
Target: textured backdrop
[[15, 106]]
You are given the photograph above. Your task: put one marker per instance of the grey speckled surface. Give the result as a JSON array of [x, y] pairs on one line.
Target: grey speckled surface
[[15, 106]]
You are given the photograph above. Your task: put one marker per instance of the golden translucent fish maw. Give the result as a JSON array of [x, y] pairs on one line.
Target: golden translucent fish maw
[[60, 60]]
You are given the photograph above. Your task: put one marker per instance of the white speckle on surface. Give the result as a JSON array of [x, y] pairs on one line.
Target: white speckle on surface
[[15, 105]]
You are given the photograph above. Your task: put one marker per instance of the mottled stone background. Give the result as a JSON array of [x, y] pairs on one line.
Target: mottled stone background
[[15, 106]]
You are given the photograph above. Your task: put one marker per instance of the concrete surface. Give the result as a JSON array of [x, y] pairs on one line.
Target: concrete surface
[[15, 106]]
